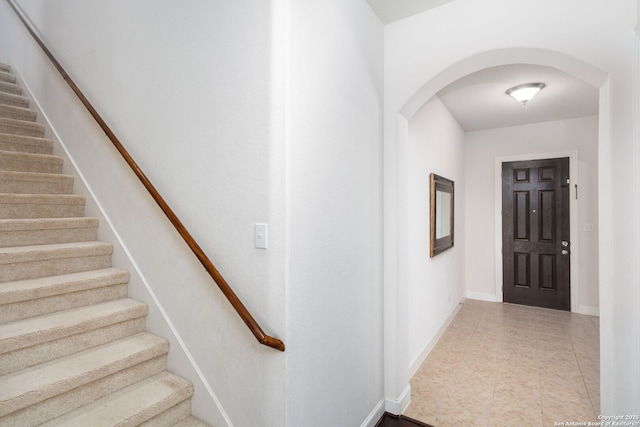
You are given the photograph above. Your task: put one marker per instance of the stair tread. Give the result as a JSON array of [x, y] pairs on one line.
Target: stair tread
[[134, 404], [16, 254], [8, 137], [47, 223], [34, 176], [25, 144], [5, 67], [21, 123], [35, 330], [59, 199], [8, 87], [31, 157], [7, 76], [12, 99], [29, 386], [35, 182], [43, 231], [25, 290], [15, 111], [22, 161]]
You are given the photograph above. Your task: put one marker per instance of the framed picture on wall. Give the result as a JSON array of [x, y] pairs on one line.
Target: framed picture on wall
[[442, 208]]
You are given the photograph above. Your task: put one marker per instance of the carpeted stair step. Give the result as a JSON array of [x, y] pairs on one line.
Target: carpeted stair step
[[30, 162], [39, 339], [45, 231], [22, 299], [38, 394], [12, 88], [15, 100], [17, 113], [21, 127], [35, 183], [25, 144], [6, 76], [161, 400], [31, 262], [29, 342], [41, 206], [5, 67]]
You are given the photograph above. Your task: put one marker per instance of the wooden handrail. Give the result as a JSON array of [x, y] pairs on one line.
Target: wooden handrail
[[248, 319]]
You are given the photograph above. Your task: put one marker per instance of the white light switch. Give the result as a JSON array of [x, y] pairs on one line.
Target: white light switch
[[261, 236], [588, 227]]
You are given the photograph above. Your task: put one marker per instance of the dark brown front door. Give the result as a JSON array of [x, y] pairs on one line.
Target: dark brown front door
[[535, 233]]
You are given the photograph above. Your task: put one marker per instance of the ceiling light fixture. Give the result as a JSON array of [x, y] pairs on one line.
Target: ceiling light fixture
[[524, 93]]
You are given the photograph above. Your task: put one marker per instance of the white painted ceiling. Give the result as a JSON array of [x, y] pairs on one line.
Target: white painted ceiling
[[393, 10], [478, 101]]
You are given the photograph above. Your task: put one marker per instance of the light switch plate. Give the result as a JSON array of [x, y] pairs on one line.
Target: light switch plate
[[261, 236], [588, 227]]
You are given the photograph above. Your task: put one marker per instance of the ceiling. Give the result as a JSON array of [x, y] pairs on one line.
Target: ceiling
[[478, 101], [393, 10]]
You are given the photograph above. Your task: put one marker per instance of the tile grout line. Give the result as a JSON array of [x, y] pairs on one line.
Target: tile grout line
[[495, 378], [573, 348], [539, 379], [480, 323], [457, 367]]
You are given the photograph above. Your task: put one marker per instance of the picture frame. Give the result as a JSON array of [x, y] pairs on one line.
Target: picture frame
[[442, 197]]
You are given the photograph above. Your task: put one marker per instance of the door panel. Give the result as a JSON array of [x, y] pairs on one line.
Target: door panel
[[535, 209], [547, 215], [522, 208], [522, 270], [547, 264]]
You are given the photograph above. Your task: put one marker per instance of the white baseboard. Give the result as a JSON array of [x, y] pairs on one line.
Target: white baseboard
[[375, 415], [482, 296], [398, 406], [417, 362], [589, 311]]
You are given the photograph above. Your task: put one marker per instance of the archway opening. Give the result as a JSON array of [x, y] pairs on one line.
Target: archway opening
[[404, 354]]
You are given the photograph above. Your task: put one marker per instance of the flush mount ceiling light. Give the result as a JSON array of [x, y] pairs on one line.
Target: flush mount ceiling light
[[524, 93]]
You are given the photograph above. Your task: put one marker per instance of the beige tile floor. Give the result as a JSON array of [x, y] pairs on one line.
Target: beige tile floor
[[509, 365]]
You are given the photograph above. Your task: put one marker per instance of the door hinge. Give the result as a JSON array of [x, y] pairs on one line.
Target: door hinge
[[576, 186]]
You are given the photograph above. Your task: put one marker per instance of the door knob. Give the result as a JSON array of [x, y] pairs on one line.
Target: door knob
[[565, 252], [566, 244]]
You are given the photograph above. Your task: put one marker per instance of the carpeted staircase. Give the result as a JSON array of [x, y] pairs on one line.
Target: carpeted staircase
[[73, 347]]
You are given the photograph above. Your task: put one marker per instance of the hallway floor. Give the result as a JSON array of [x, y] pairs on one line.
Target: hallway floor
[[509, 365]]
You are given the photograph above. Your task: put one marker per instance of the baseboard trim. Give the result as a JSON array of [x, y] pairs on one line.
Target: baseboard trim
[[419, 360], [582, 309], [589, 310], [375, 415], [399, 405], [482, 296]]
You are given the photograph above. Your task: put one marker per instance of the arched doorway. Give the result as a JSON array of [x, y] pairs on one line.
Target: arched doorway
[[397, 355]]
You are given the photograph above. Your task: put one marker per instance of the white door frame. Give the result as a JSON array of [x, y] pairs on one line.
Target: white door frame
[[573, 218]]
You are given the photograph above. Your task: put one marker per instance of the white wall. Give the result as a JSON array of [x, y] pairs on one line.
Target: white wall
[[482, 147], [239, 113], [426, 52], [196, 98], [436, 285], [334, 365]]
